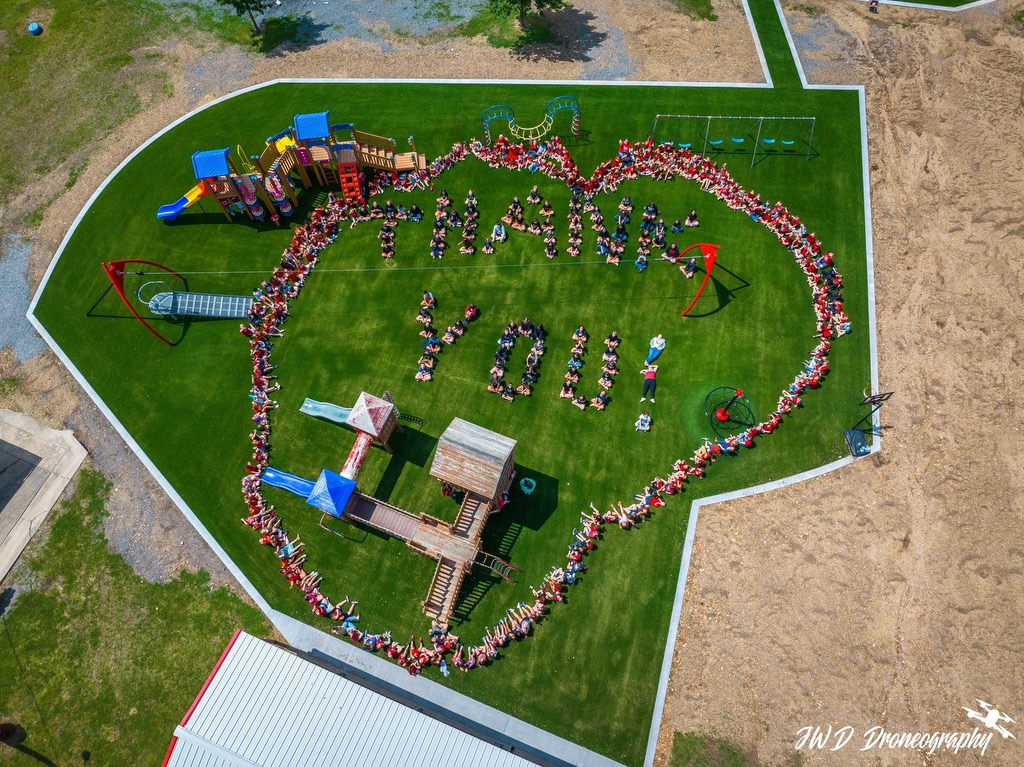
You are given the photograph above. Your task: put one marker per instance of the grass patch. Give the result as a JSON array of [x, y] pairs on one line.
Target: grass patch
[[439, 10], [35, 216], [77, 77], [353, 329], [508, 31], [97, 660], [777, 53], [8, 385], [694, 749], [221, 22], [1019, 17], [698, 9], [74, 174]]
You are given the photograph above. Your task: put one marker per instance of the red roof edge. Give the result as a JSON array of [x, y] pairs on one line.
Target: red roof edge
[[170, 750], [199, 697]]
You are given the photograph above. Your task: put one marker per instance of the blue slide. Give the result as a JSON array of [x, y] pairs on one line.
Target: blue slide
[[172, 210], [325, 410], [285, 481]]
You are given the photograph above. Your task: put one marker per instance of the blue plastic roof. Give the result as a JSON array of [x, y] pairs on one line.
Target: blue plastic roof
[[331, 493], [212, 162], [313, 125]]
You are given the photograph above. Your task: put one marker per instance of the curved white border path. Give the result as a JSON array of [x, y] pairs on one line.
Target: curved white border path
[[417, 691]]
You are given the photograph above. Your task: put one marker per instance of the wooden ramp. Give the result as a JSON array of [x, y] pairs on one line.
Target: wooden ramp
[[384, 517]]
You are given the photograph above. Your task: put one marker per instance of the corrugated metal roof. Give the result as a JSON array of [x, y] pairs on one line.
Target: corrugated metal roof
[[472, 457], [266, 707]]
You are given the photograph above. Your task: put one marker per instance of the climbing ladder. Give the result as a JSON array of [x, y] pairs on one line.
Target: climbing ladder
[[187, 304], [348, 172], [505, 112], [496, 565]]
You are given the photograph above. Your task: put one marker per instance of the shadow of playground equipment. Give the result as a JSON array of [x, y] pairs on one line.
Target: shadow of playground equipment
[[724, 292], [14, 735], [411, 446], [503, 530]]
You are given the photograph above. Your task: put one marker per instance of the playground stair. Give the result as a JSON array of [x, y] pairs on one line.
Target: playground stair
[[472, 517], [444, 589], [188, 304]]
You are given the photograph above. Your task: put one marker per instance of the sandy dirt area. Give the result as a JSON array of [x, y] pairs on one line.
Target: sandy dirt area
[[888, 593]]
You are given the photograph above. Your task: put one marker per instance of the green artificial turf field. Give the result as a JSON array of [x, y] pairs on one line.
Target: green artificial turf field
[[591, 670]]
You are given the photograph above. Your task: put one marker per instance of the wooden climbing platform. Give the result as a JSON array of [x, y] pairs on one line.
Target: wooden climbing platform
[[455, 547], [470, 457]]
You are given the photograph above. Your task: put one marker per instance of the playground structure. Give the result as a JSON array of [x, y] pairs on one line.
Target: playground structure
[[473, 459], [309, 152], [326, 410], [506, 113], [173, 303], [719, 134], [728, 410]]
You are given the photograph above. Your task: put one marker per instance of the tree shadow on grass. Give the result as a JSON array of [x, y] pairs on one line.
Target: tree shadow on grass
[[283, 34], [566, 34]]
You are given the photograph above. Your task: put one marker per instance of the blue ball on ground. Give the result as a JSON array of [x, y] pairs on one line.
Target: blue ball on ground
[[35, 28]]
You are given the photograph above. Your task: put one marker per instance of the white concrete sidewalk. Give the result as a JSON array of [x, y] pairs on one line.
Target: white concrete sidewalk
[[36, 464]]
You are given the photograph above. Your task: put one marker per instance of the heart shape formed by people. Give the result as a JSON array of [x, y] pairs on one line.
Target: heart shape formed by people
[[663, 162]]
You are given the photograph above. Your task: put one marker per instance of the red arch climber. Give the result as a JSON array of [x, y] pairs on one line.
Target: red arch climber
[[710, 253], [115, 273]]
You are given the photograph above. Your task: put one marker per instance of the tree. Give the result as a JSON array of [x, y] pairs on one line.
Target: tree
[[251, 7], [506, 7]]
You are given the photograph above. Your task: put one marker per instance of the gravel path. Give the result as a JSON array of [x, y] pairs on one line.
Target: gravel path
[[15, 331]]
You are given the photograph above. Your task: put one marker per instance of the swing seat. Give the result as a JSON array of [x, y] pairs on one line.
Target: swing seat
[[768, 141], [716, 143], [736, 140], [787, 143], [684, 146]]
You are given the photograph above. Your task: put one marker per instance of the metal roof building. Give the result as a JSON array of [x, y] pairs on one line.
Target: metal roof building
[[264, 706]]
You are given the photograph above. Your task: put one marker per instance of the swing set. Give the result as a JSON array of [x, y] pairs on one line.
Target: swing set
[[726, 134]]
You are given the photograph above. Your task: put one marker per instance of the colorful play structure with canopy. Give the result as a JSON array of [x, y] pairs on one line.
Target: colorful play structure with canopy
[[310, 151], [475, 460], [727, 134], [506, 113]]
